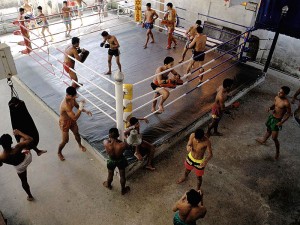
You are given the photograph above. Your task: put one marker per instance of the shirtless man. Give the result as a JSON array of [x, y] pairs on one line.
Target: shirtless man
[[190, 34], [17, 157], [149, 19], [29, 13], [44, 23], [101, 4], [196, 147], [67, 119], [198, 43], [162, 81], [281, 112], [80, 8], [113, 49], [143, 145], [115, 149], [190, 208], [76, 52], [66, 11], [218, 107], [24, 31], [170, 19]]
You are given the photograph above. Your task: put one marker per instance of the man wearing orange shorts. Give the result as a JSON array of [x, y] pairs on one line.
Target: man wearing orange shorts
[[75, 52], [196, 148], [67, 119]]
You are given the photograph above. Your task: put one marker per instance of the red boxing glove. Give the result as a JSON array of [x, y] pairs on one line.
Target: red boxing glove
[[168, 83], [179, 82]]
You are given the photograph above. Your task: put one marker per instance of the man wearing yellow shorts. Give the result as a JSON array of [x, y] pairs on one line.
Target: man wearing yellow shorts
[[196, 147]]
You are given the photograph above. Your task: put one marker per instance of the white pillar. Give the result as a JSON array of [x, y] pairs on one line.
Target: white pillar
[[119, 77]]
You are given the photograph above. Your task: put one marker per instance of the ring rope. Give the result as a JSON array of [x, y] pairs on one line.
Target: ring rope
[[180, 64]]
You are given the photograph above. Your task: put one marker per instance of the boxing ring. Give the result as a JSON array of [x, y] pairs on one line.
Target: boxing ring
[[187, 107]]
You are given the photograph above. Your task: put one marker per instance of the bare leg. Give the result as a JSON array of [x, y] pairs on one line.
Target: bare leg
[[25, 185], [70, 28], [165, 94], [199, 182], [265, 138], [110, 178], [78, 139], [137, 153], [109, 65], [51, 40], [118, 63], [154, 102], [73, 76], [147, 39], [65, 140], [185, 175], [43, 33], [79, 15], [151, 35], [213, 125], [150, 149], [277, 144], [188, 69], [124, 188], [183, 54]]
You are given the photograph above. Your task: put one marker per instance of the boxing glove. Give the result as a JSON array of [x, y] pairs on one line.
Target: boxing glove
[[179, 82], [102, 44], [168, 83], [26, 17], [79, 50], [107, 46]]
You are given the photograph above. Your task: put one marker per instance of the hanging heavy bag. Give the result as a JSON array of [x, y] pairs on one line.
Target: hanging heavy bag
[[21, 119]]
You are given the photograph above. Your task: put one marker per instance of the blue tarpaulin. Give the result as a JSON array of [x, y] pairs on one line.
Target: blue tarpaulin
[[269, 14]]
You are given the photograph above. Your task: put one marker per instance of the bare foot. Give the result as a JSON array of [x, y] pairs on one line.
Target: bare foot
[[258, 140], [145, 46], [180, 61], [161, 109], [41, 152], [108, 73], [150, 167], [181, 180], [159, 112], [82, 148], [61, 157], [152, 42], [138, 156], [217, 134], [30, 198], [105, 184], [125, 190], [153, 110]]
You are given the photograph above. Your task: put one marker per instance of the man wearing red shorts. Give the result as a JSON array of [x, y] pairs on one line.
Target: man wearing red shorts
[[75, 52], [219, 107], [196, 147], [67, 119]]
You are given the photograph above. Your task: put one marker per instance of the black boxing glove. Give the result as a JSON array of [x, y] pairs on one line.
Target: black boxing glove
[[26, 17], [107, 46], [79, 50], [102, 44]]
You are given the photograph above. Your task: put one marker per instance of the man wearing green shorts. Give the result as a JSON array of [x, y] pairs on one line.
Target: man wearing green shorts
[[281, 111], [115, 149]]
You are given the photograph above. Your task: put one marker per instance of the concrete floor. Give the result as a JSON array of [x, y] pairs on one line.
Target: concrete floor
[[243, 184]]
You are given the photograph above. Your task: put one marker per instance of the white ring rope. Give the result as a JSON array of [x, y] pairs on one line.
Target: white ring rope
[[75, 81]]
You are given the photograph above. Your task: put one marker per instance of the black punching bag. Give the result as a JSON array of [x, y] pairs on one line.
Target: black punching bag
[[21, 120]]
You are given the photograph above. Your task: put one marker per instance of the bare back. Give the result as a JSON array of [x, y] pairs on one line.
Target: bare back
[[28, 8], [200, 42], [70, 51], [113, 42], [114, 148], [221, 97], [189, 214], [192, 32]]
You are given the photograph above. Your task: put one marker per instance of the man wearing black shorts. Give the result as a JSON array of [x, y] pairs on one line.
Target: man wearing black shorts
[[199, 43], [113, 49]]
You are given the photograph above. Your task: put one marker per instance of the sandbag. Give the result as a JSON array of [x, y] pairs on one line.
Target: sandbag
[[22, 120]]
